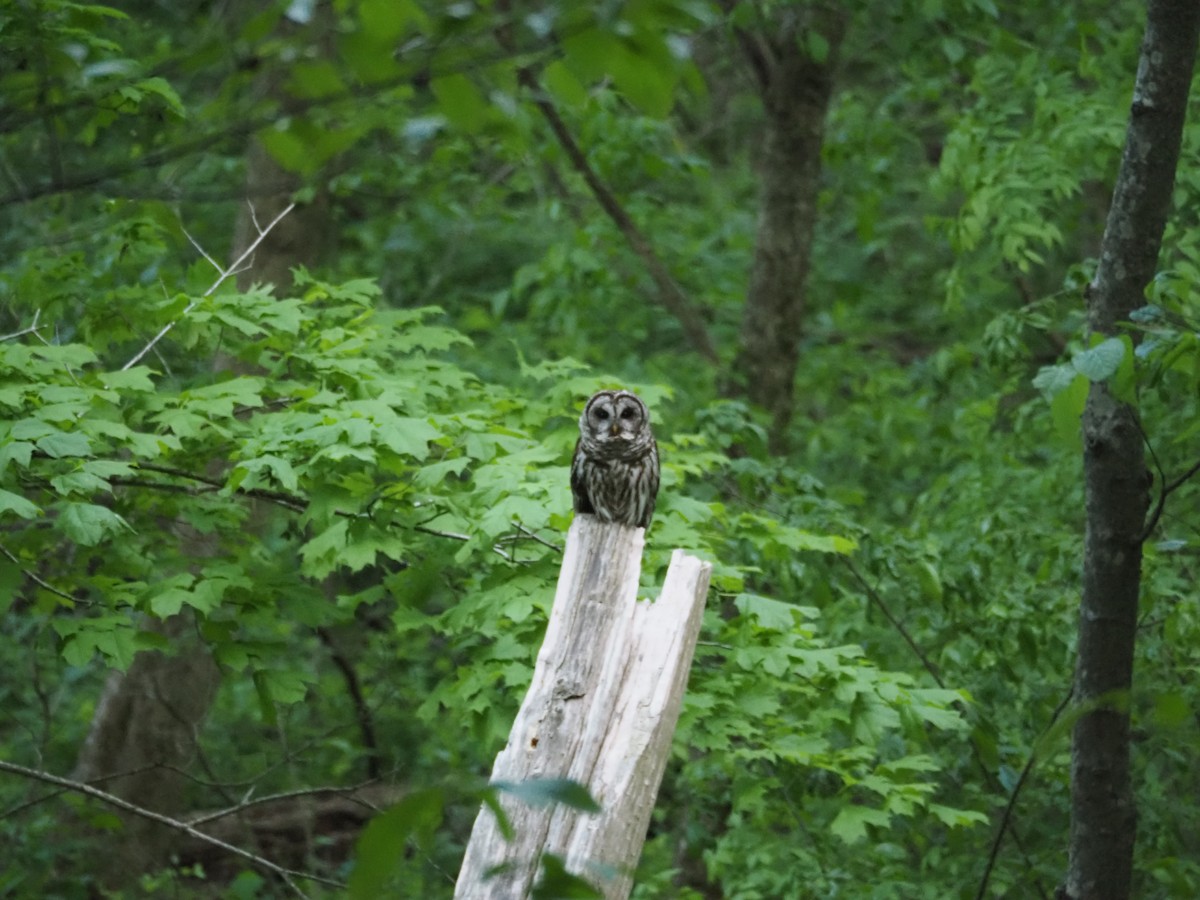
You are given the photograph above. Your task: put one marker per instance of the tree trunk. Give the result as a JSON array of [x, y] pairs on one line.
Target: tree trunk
[[601, 711], [145, 724], [302, 238], [1116, 482], [795, 87], [305, 235]]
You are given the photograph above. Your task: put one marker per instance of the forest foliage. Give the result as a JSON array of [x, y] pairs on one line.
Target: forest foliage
[[353, 488]]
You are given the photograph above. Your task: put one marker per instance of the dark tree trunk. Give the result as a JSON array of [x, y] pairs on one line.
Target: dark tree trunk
[[1116, 482], [795, 88]]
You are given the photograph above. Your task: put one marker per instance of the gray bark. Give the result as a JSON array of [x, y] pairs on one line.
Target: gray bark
[[1116, 482]]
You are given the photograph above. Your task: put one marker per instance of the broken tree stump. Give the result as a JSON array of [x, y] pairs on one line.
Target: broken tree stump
[[601, 711]]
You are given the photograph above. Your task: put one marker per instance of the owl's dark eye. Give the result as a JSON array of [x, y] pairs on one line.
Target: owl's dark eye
[[628, 412], [601, 414]]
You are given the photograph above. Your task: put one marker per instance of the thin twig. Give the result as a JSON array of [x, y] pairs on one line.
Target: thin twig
[[225, 273], [32, 329], [58, 792], [254, 217], [348, 793], [284, 874], [1166, 490], [195, 243], [40, 582], [1016, 792], [876, 599], [536, 537]]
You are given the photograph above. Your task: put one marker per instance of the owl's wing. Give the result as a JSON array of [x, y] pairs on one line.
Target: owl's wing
[[651, 484], [581, 502]]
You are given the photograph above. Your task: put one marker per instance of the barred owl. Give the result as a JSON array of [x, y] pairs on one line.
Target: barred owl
[[614, 473]]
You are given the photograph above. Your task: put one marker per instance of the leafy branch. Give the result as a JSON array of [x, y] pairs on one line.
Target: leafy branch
[[670, 294], [298, 503]]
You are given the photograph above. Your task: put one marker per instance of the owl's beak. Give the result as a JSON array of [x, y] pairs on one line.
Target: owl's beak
[[615, 431]]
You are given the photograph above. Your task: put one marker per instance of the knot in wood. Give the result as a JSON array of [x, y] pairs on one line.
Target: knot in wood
[[571, 689]]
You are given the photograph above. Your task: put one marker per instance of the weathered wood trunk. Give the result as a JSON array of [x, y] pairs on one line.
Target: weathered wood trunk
[[1116, 482], [601, 710]]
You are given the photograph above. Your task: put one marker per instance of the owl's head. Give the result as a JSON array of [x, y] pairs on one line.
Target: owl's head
[[615, 417]]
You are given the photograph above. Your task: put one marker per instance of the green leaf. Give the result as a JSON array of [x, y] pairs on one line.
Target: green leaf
[[253, 470], [389, 20], [1100, 362], [65, 443], [15, 503], [380, 852], [815, 45], [1171, 710], [957, 818], [1066, 409], [136, 380], [286, 687], [318, 78], [169, 602], [160, 87], [1124, 381], [20, 452], [547, 791], [1053, 380], [408, 437], [31, 429], [772, 614], [852, 820], [320, 553], [563, 84], [88, 524], [798, 539], [460, 102], [556, 883]]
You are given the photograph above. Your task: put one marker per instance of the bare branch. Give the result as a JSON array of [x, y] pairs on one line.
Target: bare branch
[[254, 217], [284, 874], [536, 537], [195, 243], [349, 793], [40, 582], [1165, 491], [876, 599], [32, 329], [1015, 793], [225, 273]]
